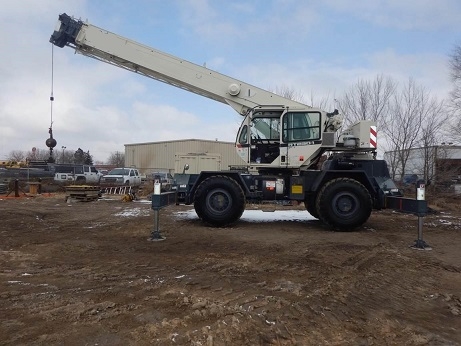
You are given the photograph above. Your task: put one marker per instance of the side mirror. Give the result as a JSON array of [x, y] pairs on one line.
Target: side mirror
[[332, 114], [186, 167]]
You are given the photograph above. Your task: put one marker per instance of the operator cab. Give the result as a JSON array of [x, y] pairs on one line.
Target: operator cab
[[279, 138]]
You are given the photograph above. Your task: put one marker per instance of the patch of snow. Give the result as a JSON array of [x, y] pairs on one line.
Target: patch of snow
[[260, 216], [132, 212], [143, 201], [445, 222]]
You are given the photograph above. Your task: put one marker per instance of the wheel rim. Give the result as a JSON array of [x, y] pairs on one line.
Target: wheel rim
[[345, 204], [218, 201]]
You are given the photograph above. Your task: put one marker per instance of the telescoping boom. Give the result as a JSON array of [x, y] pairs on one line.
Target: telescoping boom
[[106, 46]]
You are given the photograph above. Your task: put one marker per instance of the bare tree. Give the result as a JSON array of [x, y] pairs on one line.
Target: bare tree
[[435, 119], [455, 95], [412, 122], [65, 156], [116, 159], [16, 156], [324, 103], [288, 93], [39, 155], [368, 100]]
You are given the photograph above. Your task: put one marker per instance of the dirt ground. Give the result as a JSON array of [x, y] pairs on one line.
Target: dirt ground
[[84, 273]]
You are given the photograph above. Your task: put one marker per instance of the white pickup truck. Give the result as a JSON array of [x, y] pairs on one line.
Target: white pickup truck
[[121, 176], [165, 178], [79, 174]]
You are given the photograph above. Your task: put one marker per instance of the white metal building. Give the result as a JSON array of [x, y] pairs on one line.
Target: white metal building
[[438, 163], [170, 156]]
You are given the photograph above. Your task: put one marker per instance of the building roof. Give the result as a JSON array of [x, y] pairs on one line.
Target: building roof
[[182, 140]]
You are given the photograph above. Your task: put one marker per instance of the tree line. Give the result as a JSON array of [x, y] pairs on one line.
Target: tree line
[[408, 116], [64, 157], [410, 119]]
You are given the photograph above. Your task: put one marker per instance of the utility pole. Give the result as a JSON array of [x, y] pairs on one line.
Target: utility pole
[[62, 158]]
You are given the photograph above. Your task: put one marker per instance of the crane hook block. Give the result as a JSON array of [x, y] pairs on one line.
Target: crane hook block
[[234, 89]]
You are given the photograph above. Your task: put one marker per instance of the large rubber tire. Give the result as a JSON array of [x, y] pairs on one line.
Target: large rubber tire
[[219, 201], [344, 204], [311, 206]]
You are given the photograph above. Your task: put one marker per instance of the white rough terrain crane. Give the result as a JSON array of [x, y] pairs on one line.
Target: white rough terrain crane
[[280, 141]]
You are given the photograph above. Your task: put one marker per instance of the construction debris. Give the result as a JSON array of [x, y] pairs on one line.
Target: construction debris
[[84, 193]]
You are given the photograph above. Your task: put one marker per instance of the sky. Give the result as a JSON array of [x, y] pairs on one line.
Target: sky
[[317, 48]]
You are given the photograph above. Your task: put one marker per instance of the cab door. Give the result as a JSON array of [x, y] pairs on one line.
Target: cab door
[[242, 143], [301, 136], [283, 142]]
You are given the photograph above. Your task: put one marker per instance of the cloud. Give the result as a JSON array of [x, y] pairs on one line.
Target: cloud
[[430, 70], [407, 15], [228, 23]]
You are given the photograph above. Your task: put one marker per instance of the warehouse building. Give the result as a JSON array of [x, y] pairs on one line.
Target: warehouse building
[[171, 156], [441, 164]]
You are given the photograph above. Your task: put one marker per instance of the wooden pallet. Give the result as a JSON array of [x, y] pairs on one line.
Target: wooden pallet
[[84, 193]]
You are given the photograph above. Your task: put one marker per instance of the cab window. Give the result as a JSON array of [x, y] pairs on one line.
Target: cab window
[[243, 135], [301, 126]]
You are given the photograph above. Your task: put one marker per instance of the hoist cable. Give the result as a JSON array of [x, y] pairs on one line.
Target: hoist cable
[[52, 82]]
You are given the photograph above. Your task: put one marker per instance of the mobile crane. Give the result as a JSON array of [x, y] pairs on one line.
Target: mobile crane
[[282, 142]]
